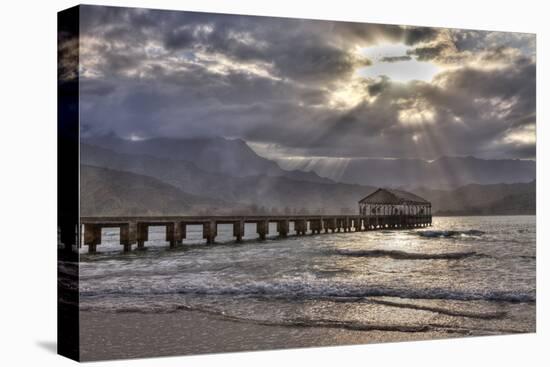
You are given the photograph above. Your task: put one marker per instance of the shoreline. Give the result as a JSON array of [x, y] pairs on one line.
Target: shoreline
[[128, 335]]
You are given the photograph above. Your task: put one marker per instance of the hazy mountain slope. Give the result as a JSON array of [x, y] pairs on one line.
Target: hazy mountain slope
[[184, 175], [519, 198], [281, 192], [261, 191], [230, 157], [445, 173], [514, 204], [109, 192]]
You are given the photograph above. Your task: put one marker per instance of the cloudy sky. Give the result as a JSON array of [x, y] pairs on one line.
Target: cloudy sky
[[308, 88]]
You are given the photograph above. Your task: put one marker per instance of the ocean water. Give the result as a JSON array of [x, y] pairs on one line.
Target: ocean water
[[465, 275]]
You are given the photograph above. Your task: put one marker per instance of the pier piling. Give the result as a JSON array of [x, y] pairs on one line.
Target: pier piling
[[262, 228], [238, 230], [179, 232], [282, 227], [135, 230], [209, 231]]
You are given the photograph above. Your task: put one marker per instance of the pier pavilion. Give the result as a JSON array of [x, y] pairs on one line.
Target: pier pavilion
[[384, 208], [394, 203]]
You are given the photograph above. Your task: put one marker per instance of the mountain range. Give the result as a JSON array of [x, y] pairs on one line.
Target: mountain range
[[476, 199], [222, 176], [116, 193], [279, 193], [227, 156], [442, 173]]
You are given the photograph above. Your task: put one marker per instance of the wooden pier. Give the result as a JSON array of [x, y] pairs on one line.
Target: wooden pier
[[134, 231]]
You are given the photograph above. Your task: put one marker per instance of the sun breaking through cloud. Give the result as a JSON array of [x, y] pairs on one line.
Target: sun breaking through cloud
[[309, 88]]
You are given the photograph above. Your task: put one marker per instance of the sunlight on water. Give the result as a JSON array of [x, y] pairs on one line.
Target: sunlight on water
[[464, 274]]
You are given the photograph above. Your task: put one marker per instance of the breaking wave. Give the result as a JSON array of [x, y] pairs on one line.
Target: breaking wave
[[445, 311], [291, 322], [449, 234], [175, 306], [402, 255], [317, 322], [296, 290]]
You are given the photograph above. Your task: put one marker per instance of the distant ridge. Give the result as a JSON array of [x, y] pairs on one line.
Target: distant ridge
[[475, 199], [266, 193], [197, 187], [109, 192], [228, 156], [442, 173]]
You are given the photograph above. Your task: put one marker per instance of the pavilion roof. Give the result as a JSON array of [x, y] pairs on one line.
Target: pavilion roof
[[393, 196]]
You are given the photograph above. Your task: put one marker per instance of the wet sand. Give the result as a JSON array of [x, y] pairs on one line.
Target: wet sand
[[139, 335]]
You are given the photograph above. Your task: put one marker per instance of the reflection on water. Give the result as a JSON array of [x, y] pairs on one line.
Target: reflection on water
[[472, 275]]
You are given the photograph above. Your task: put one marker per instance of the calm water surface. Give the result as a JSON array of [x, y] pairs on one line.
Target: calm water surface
[[469, 275]]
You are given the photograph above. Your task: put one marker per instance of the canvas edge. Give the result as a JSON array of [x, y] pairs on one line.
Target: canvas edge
[[68, 216]]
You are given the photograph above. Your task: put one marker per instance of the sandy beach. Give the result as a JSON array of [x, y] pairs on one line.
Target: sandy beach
[[138, 335]]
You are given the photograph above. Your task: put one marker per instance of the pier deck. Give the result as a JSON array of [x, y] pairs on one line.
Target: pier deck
[[135, 230]]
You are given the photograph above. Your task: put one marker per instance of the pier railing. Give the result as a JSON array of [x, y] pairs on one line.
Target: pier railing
[[135, 230]]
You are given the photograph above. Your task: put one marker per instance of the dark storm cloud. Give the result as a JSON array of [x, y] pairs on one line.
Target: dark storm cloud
[[378, 87], [396, 58], [420, 34], [179, 38], [295, 49], [294, 83], [427, 53], [452, 46]]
